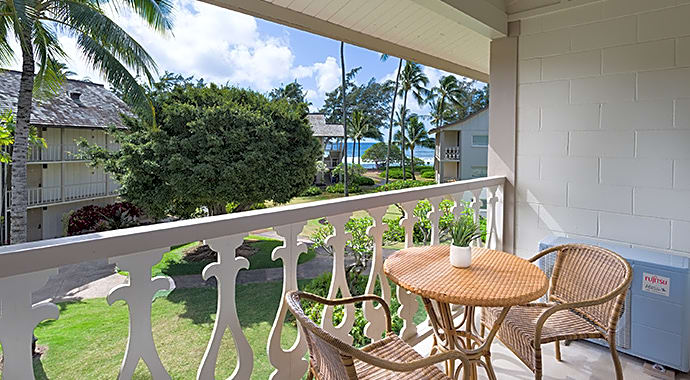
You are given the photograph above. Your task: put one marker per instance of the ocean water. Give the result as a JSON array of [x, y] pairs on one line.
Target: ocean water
[[426, 154]]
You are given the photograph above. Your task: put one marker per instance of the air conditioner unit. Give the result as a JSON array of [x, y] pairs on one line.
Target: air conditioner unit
[[655, 324]]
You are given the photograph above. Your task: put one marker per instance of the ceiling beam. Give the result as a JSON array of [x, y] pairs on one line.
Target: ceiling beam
[[481, 16], [285, 16]]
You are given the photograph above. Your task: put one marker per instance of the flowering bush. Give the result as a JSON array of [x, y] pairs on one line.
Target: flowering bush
[[96, 218]]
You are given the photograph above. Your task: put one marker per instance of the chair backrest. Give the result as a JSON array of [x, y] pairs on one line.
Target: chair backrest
[[584, 272], [327, 358]]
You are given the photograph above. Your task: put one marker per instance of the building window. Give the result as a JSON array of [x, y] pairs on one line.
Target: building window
[[478, 171], [480, 140]]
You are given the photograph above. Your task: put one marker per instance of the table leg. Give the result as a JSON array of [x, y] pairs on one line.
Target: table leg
[[448, 336]]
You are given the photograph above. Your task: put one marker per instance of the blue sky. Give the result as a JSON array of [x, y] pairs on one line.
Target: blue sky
[[223, 46]]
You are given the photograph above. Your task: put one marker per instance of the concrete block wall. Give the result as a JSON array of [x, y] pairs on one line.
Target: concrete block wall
[[603, 136]]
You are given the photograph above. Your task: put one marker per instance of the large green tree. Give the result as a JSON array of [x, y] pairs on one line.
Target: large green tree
[[104, 45], [379, 153], [414, 81], [416, 135], [294, 93], [371, 98], [212, 146]]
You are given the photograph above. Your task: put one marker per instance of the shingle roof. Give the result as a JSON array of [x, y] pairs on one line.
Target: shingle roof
[[96, 106], [321, 129]]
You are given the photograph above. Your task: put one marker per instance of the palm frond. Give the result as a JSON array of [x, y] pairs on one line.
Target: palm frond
[[117, 75]]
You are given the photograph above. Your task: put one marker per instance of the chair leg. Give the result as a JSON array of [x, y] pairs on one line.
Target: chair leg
[[537, 363], [614, 356], [558, 351], [482, 329]]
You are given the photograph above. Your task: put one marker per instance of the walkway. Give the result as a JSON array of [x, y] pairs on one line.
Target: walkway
[[94, 279]]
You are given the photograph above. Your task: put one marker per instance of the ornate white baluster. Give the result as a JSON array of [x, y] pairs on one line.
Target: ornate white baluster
[[339, 281], [18, 318], [435, 218], [377, 322], [491, 201], [289, 364], [138, 294], [476, 205], [225, 271], [459, 207], [408, 301]]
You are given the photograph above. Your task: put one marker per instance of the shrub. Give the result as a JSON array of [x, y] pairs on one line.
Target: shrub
[[429, 174], [96, 218], [320, 286], [397, 185], [396, 173], [363, 181], [339, 188], [311, 191], [377, 154], [423, 168], [355, 170]]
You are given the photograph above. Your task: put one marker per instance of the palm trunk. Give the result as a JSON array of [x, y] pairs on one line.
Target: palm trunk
[[342, 69], [412, 160], [18, 215], [402, 134], [390, 128], [354, 145], [359, 152]]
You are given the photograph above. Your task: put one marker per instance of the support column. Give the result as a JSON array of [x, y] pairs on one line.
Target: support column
[[503, 123]]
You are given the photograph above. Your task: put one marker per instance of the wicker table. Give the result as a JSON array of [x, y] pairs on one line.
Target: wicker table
[[494, 279]]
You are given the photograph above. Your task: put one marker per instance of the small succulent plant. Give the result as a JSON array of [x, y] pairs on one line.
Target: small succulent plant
[[464, 231]]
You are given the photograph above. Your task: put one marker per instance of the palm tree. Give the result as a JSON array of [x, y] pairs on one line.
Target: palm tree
[[416, 136], [412, 79], [450, 90], [342, 91], [359, 129], [384, 57], [106, 46]]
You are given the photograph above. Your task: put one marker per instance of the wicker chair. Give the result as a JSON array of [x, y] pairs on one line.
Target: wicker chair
[[389, 358], [586, 296]]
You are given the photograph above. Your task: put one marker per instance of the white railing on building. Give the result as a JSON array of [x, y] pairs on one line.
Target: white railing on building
[[24, 268], [59, 152], [451, 153], [37, 196], [84, 190]]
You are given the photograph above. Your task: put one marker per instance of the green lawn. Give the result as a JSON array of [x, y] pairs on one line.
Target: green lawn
[[89, 338], [174, 263]]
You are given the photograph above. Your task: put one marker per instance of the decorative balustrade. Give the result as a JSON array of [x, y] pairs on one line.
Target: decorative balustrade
[[451, 153], [59, 152], [25, 267]]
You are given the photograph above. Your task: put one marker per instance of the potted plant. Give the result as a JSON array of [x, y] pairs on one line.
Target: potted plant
[[463, 231]]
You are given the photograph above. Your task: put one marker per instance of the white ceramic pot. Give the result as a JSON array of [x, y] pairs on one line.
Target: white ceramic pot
[[460, 257]]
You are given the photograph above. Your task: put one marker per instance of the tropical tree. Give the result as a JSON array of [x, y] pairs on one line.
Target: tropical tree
[[293, 93], [416, 136], [359, 129], [212, 146], [7, 126], [343, 93], [448, 90], [104, 45], [412, 80], [384, 57]]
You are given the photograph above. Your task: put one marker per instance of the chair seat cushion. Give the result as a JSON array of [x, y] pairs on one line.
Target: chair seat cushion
[[519, 327], [393, 348]]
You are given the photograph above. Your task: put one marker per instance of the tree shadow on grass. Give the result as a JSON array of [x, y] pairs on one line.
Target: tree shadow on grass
[[256, 303]]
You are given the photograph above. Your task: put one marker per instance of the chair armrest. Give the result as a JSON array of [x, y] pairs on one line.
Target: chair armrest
[[573, 305], [355, 299], [544, 253]]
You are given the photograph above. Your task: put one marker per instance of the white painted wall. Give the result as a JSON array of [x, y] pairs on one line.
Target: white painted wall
[[603, 136]]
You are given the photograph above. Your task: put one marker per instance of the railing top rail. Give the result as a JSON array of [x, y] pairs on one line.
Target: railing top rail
[[34, 256]]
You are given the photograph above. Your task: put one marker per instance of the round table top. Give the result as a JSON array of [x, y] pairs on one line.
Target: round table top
[[494, 278]]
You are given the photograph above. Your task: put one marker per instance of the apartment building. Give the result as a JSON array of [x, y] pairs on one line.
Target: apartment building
[[462, 148], [58, 181]]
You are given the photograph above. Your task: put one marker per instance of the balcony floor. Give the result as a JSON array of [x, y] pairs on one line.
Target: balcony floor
[[581, 360]]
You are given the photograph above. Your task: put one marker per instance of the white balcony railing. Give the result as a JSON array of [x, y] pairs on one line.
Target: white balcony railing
[[59, 152], [84, 190], [451, 153], [25, 268], [38, 196]]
